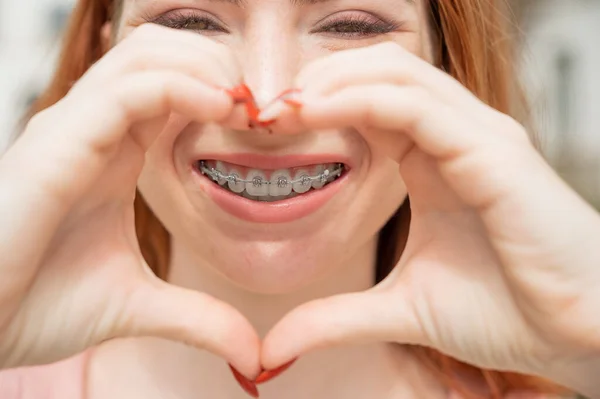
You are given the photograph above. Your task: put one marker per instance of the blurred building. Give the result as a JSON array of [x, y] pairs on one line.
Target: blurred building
[[29, 33], [561, 70], [560, 65]]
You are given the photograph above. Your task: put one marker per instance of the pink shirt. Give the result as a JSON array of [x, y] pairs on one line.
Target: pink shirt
[[66, 380]]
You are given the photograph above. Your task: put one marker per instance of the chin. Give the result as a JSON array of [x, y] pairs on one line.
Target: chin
[[274, 219], [275, 268]]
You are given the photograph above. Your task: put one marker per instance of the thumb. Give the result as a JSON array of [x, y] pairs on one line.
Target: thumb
[[158, 309], [376, 315]]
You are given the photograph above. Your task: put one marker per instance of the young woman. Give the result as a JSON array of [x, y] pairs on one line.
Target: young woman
[[279, 229]]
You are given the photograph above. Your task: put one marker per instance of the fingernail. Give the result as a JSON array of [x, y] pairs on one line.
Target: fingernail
[[292, 97], [268, 375], [246, 384], [271, 112]]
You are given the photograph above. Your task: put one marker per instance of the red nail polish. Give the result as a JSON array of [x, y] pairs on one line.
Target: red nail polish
[[240, 94], [243, 95], [246, 384], [268, 375]]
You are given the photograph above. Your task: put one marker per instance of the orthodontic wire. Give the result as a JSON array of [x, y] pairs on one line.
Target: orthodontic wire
[[218, 175]]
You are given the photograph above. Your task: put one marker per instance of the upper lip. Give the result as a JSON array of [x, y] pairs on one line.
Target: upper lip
[[270, 162]]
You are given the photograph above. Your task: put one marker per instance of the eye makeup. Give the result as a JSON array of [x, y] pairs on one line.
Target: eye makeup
[[348, 25], [356, 25], [192, 20]]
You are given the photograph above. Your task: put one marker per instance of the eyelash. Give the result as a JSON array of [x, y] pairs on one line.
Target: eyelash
[[184, 20], [354, 27], [358, 27]]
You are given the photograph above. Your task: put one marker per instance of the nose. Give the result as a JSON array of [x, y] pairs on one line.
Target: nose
[[270, 58]]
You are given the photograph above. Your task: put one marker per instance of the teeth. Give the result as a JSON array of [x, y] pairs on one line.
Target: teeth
[[333, 167], [220, 166], [234, 185], [248, 196], [255, 188], [280, 183], [302, 187], [316, 184]]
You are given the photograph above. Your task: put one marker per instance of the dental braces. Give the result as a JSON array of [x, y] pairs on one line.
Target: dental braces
[[282, 181]]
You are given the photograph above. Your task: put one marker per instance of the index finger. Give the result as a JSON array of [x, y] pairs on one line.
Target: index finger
[[387, 63]]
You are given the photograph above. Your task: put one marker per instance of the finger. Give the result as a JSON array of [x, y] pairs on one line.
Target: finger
[[74, 140], [483, 164], [165, 311], [151, 47], [434, 126], [386, 63], [372, 316], [468, 153], [82, 134]]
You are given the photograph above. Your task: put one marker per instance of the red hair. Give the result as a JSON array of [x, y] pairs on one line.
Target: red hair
[[475, 46]]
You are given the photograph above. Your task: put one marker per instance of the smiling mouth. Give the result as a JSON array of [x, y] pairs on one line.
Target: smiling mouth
[[270, 185]]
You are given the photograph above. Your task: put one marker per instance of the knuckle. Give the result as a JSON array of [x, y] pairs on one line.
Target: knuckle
[[42, 119], [420, 103], [420, 97], [37, 120], [117, 95], [141, 58], [146, 31], [515, 130]]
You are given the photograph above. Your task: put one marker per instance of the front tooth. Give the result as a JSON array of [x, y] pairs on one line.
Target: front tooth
[[234, 185], [248, 196], [255, 189], [317, 172], [280, 183], [300, 186], [220, 166]]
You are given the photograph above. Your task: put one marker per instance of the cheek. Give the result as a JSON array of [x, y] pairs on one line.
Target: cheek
[[387, 190], [161, 154], [159, 175]]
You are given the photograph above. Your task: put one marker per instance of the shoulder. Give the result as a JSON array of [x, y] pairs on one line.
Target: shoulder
[[63, 380]]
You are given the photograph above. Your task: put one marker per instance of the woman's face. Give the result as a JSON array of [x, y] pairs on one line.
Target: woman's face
[[270, 237]]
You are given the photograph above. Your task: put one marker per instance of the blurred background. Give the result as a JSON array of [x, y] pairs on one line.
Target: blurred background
[[559, 63]]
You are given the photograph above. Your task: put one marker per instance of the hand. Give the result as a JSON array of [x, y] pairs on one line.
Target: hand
[[73, 273], [501, 264]]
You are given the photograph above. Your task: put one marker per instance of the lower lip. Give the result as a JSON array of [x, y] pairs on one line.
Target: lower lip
[[283, 211]]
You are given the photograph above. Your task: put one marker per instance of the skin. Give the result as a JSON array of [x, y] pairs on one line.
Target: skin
[[527, 240], [270, 43]]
